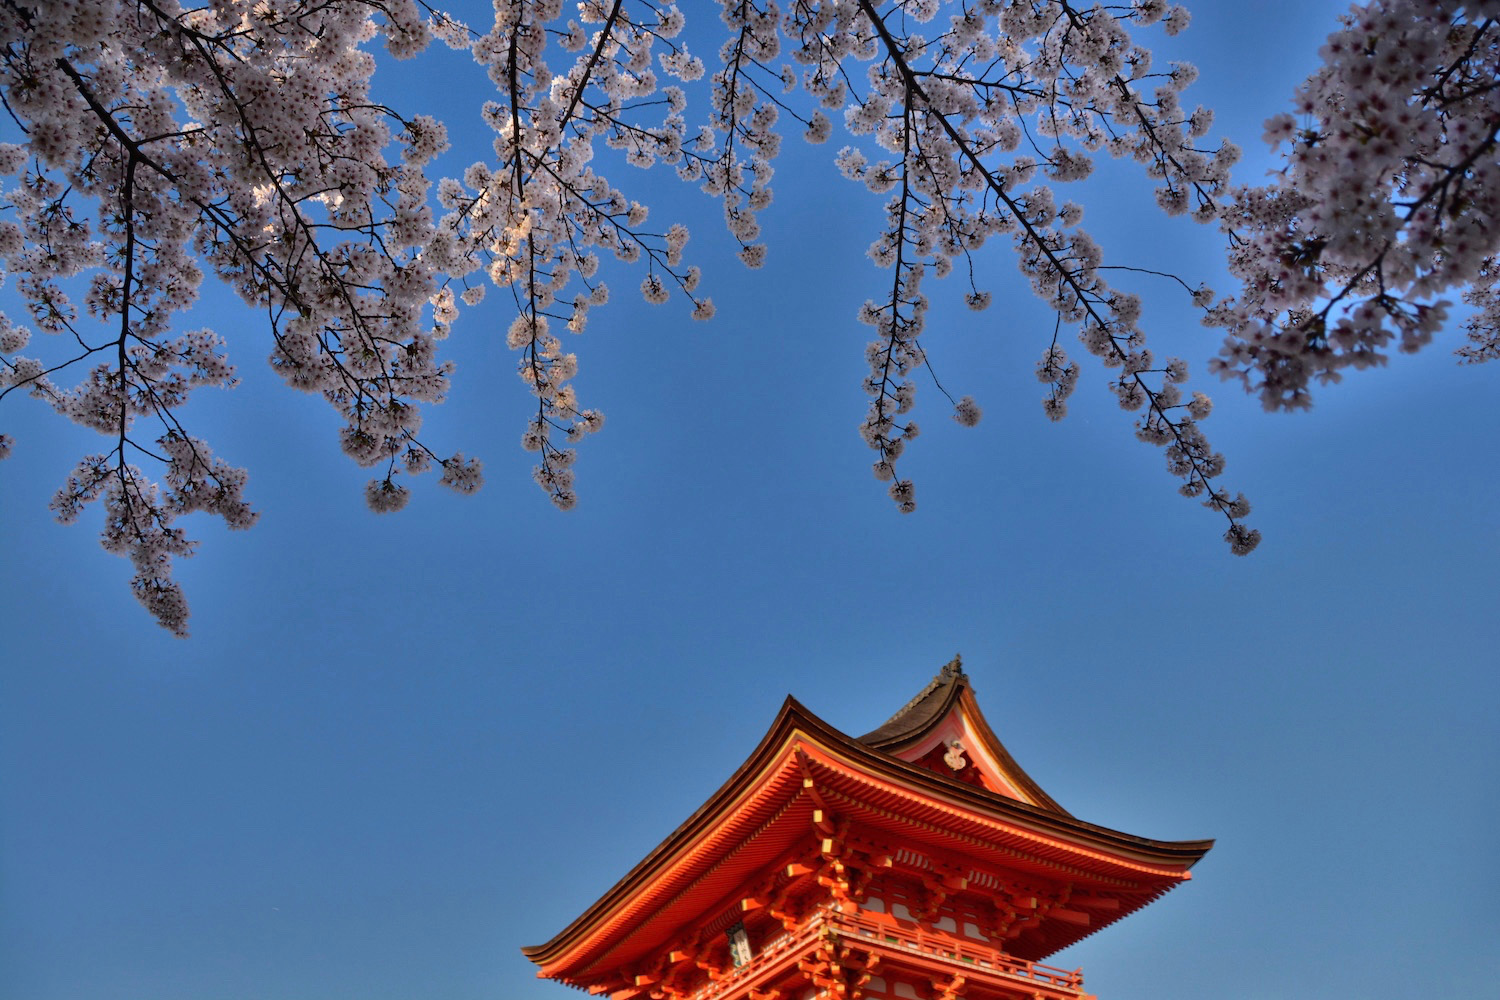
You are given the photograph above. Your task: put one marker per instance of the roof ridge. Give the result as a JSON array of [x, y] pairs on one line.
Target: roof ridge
[[951, 671]]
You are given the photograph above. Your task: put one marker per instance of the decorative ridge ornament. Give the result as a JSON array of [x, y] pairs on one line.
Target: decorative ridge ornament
[[951, 673], [954, 758]]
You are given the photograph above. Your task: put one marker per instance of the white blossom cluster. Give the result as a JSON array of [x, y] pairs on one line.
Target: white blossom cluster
[[1390, 199], [537, 218], [158, 142], [239, 137], [980, 109]]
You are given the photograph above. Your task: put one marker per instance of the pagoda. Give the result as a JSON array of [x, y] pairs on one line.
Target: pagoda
[[918, 862]]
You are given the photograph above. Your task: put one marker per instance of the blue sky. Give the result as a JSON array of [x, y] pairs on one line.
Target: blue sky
[[397, 748]]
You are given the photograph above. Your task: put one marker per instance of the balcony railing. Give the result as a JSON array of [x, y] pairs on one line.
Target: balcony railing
[[893, 933], [887, 934]]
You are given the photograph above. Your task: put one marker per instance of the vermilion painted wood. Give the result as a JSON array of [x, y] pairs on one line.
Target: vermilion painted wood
[[918, 862]]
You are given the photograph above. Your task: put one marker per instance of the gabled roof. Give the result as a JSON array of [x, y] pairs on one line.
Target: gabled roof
[[764, 810], [945, 710], [922, 712]]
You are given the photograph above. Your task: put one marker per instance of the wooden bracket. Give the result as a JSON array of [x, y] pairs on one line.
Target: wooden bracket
[[950, 989], [934, 894], [779, 905], [715, 971], [839, 968]]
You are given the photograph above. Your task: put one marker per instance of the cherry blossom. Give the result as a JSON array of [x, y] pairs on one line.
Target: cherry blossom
[[1388, 201], [160, 143], [236, 138]]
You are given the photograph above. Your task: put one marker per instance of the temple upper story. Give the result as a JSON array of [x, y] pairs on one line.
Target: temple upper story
[[918, 861]]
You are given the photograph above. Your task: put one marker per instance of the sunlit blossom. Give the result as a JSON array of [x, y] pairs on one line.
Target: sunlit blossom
[[242, 140]]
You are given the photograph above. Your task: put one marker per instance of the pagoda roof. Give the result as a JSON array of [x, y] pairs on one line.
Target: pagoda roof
[[1002, 822], [917, 716], [949, 696]]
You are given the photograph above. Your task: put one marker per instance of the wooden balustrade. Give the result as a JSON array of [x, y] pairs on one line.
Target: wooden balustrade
[[951, 946], [887, 932]]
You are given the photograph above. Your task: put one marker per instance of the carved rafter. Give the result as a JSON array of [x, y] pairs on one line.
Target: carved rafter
[[830, 829], [1093, 902]]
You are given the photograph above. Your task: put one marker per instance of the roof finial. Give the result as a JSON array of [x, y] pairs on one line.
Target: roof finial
[[953, 668]]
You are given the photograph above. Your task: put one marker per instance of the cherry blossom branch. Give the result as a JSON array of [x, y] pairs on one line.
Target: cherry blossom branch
[[1188, 454]]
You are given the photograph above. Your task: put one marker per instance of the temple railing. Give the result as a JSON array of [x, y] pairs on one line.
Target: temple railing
[[878, 932], [952, 947]]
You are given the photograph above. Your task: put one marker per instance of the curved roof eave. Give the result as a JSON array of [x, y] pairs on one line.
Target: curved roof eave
[[792, 717], [931, 706], [679, 839]]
